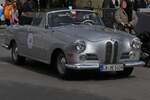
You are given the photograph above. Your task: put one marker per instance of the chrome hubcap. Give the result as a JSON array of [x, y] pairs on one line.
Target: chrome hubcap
[[61, 65], [15, 53]]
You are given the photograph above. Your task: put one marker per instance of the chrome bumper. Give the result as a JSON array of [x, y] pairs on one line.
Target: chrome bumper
[[84, 66], [134, 64]]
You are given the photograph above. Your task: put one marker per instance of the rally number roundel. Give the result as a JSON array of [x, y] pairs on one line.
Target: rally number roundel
[[30, 40]]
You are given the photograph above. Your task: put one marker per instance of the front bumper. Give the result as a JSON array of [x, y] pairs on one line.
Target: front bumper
[[88, 66]]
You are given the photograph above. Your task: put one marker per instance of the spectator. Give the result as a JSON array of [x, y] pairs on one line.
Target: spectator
[[7, 12], [19, 8], [89, 5], [147, 3], [114, 3], [27, 13], [111, 4], [1, 13], [15, 14], [126, 17]]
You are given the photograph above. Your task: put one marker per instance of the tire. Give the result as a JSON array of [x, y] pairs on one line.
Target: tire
[[17, 59], [60, 65], [125, 73]]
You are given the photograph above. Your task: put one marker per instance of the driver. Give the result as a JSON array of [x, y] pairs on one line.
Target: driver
[[87, 19]]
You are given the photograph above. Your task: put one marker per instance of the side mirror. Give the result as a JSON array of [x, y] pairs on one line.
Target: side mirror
[[46, 26]]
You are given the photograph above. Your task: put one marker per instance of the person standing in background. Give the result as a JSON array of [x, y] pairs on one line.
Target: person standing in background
[[15, 14], [126, 17], [89, 5], [7, 12], [111, 4], [19, 8], [27, 13], [147, 3], [1, 13], [114, 3]]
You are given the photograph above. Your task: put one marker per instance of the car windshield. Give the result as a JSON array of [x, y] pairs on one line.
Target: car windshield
[[73, 17]]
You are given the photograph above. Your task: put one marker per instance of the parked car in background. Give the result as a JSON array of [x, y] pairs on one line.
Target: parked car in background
[[74, 39]]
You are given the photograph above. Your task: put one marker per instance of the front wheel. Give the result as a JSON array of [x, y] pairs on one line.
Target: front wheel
[[125, 73], [60, 65], [17, 59]]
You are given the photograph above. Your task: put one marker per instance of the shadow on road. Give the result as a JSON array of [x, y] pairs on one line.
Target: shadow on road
[[45, 69]]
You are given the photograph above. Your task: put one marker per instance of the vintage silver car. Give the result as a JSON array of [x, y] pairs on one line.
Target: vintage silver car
[[74, 39]]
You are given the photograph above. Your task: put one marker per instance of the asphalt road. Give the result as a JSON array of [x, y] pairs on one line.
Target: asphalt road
[[36, 81]]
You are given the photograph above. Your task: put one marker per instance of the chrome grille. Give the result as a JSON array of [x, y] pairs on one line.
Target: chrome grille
[[115, 56], [108, 55], [111, 55]]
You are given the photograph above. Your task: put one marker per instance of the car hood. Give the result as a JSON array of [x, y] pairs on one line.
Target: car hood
[[93, 33]]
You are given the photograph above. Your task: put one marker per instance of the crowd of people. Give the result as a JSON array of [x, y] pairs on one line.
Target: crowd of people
[[11, 14], [123, 14]]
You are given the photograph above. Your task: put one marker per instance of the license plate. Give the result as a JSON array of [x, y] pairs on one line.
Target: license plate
[[111, 67]]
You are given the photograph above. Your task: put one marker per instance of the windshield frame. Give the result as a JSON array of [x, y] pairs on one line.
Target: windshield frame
[[51, 13]]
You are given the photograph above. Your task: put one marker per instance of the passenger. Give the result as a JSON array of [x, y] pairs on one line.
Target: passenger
[[7, 12], [126, 17], [27, 13]]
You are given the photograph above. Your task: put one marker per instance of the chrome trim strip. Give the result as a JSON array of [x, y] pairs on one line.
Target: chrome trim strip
[[83, 66], [134, 64], [5, 46]]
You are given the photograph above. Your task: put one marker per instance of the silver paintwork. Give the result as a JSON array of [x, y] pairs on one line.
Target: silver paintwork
[[47, 40]]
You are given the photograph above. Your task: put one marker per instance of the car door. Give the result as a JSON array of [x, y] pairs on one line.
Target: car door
[[39, 42], [21, 38]]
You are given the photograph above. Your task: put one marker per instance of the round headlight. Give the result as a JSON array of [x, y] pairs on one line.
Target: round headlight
[[80, 46], [136, 43]]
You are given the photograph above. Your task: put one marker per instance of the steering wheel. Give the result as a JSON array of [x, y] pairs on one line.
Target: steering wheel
[[88, 22]]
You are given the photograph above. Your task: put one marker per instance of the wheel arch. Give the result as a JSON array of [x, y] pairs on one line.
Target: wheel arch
[[11, 43], [54, 55]]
